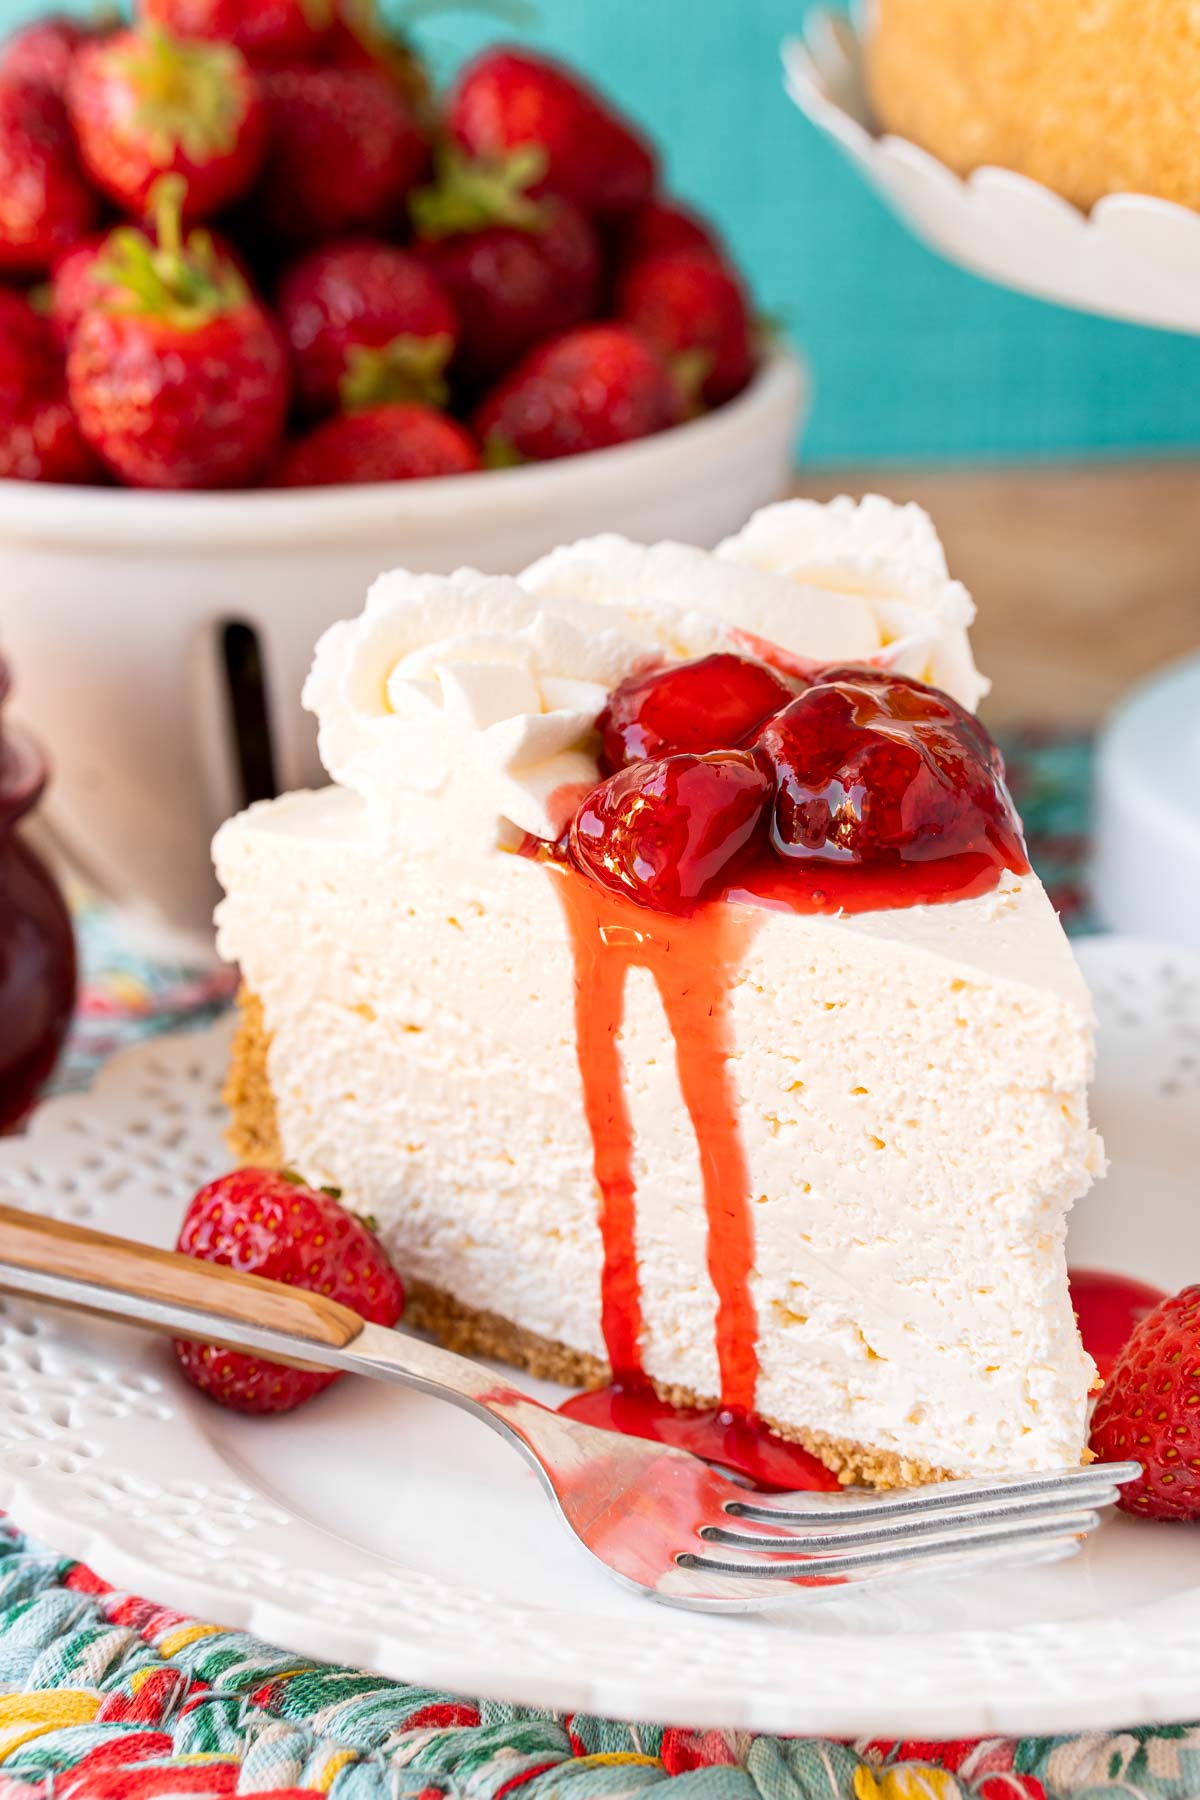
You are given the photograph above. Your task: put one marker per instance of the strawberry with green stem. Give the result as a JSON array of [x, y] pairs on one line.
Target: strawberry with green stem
[[508, 98], [366, 323], [695, 312], [518, 269], [587, 390], [177, 374], [145, 104]]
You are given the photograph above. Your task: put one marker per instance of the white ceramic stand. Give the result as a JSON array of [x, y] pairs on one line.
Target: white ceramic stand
[[1132, 257]]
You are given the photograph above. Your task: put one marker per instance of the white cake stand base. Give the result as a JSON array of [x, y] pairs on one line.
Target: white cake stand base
[[1146, 877]]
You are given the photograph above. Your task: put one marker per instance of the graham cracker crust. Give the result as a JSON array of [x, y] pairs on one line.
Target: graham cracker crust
[[253, 1136]]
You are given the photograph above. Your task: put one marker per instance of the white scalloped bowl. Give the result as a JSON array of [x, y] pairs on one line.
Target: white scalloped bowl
[[115, 604], [1132, 257]]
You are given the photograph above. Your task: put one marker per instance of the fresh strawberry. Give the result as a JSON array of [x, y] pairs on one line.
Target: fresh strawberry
[[672, 833], [345, 153], [145, 105], [39, 439], [45, 203], [269, 1224], [360, 39], [594, 156], [78, 280], [693, 309], [383, 443], [366, 324], [177, 375], [74, 285], [265, 31], [44, 51], [591, 388], [1150, 1410], [659, 227], [518, 270]]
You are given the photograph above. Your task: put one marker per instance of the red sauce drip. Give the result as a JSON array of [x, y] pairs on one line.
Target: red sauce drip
[[1108, 1308], [737, 1441], [693, 961]]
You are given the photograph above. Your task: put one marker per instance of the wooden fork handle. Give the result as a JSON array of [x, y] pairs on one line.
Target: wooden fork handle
[[116, 1266]]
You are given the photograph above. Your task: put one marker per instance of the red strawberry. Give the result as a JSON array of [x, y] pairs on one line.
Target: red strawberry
[[366, 324], [690, 306], [177, 375], [712, 703], [74, 284], [384, 443], [670, 834], [39, 439], [78, 280], [518, 270], [44, 51], [1150, 1411], [265, 31], [345, 152], [146, 105], [361, 40], [506, 98], [591, 388], [1107, 1308], [660, 227], [45, 203], [271, 1225]]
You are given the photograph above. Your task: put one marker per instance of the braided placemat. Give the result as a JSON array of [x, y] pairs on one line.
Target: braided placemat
[[110, 1697]]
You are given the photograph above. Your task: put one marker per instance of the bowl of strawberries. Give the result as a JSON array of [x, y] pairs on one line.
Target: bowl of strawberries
[[275, 316]]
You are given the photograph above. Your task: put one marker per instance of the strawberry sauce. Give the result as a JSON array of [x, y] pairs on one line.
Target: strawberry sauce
[[1108, 1309], [693, 961]]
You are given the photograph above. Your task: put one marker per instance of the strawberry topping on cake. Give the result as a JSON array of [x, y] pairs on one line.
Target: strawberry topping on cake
[[722, 768]]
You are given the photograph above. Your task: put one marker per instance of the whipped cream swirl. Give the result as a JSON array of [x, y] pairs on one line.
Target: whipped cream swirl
[[467, 704]]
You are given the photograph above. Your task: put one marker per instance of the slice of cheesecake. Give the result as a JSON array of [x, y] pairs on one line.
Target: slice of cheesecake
[[680, 1076]]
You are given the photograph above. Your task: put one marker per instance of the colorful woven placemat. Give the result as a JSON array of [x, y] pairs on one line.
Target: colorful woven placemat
[[104, 1696]]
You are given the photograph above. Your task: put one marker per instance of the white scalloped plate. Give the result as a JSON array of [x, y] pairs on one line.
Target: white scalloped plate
[[384, 1529], [1132, 257]]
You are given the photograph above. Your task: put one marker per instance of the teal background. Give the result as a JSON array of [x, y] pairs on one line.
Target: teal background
[[912, 359]]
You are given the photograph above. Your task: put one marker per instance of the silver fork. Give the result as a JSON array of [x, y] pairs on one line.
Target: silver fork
[[659, 1520]]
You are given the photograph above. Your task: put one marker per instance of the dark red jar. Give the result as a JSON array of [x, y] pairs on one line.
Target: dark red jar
[[37, 945]]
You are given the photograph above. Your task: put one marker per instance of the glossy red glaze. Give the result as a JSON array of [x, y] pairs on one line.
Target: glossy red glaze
[[672, 833], [713, 703], [737, 1441], [37, 946], [871, 767], [692, 962], [1108, 1308]]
